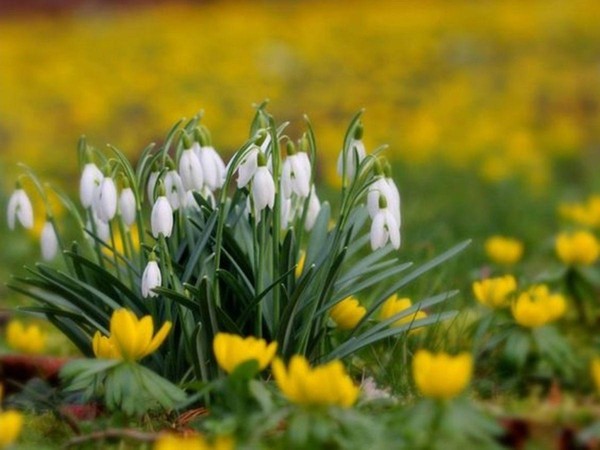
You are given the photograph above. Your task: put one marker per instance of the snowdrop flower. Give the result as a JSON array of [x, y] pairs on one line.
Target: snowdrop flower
[[102, 229], [295, 174], [355, 154], [174, 189], [91, 179], [152, 179], [287, 215], [161, 219], [212, 166], [19, 208], [384, 227], [127, 206], [387, 188], [314, 207], [105, 202], [49, 242], [249, 165], [263, 189], [151, 278], [190, 169]]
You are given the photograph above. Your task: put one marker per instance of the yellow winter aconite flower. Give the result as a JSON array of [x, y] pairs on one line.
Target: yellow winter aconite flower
[[23, 338], [578, 248], [503, 250], [325, 385], [232, 350], [595, 372], [130, 338], [169, 441], [347, 313], [395, 305], [538, 306], [495, 292], [11, 423], [586, 214], [441, 376]]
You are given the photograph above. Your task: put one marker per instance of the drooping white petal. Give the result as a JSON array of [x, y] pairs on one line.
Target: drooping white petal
[[48, 242], [286, 212], [213, 167], [105, 202], [174, 189], [247, 167], [152, 179], [379, 234], [394, 200], [19, 208], [98, 227], [263, 189], [295, 175], [161, 219], [354, 156], [91, 178], [190, 170], [314, 207], [376, 189], [151, 278], [127, 206]]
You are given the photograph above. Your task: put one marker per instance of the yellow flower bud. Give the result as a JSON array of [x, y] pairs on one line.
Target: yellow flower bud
[[325, 385], [25, 338], [503, 250], [232, 350], [578, 248], [537, 307], [347, 313], [495, 292], [441, 376]]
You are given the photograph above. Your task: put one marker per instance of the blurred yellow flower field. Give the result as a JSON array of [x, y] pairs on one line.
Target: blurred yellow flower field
[[498, 87]]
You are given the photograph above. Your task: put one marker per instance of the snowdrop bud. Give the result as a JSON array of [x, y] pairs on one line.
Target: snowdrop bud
[[105, 203], [127, 206], [213, 167], [161, 219], [190, 169], [314, 207], [263, 188], [91, 178], [49, 242], [174, 189], [152, 179], [151, 278], [295, 175], [354, 156], [19, 208]]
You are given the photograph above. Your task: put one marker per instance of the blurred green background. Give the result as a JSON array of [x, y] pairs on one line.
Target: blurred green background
[[491, 108]]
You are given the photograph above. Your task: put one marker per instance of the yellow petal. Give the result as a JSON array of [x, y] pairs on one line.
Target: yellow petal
[[159, 337]]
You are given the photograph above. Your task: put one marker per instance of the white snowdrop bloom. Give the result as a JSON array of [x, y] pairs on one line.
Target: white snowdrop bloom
[[314, 207], [49, 242], [151, 278], [213, 167], [295, 175], [190, 201], [152, 179], [174, 189], [161, 219], [91, 178], [247, 167], [105, 201], [387, 188], [19, 208], [354, 156], [127, 206], [263, 189], [190, 169], [384, 227]]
